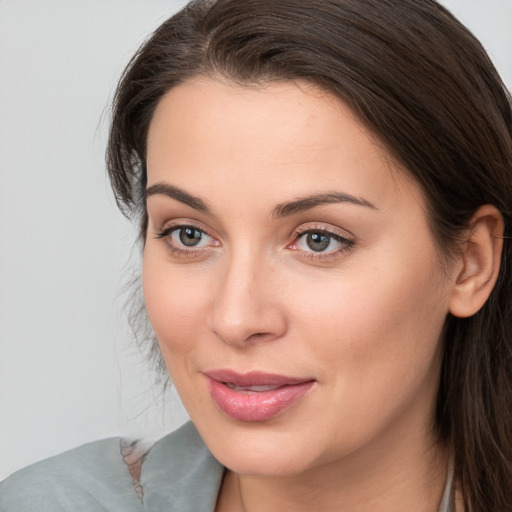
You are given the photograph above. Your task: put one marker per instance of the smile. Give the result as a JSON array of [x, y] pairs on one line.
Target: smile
[[255, 397]]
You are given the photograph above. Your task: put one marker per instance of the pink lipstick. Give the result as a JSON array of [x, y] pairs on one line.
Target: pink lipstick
[[255, 396]]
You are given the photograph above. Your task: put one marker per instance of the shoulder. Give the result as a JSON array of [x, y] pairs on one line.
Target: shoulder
[[180, 473], [95, 478], [92, 477]]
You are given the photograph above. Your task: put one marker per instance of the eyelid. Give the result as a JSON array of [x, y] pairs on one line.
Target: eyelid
[[345, 238], [183, 222], [166, 231], [313, 227]]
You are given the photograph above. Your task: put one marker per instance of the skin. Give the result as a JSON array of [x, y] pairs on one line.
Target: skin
[[363, 318]]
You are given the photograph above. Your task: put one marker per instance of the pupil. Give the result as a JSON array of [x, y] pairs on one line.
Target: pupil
[[190, 236], [318, 242]]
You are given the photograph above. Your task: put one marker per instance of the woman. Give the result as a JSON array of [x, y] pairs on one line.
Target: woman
[[324, 193]]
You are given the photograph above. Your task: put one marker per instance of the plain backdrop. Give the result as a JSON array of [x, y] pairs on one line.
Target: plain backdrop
[[69, 372]]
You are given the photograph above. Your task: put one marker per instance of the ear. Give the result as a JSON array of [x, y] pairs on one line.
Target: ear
[[479, 262]]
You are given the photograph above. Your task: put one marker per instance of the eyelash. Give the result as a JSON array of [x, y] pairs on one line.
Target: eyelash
[[346, 244], [166, 236]]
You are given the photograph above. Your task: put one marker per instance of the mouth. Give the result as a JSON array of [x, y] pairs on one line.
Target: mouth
[[255, 396]]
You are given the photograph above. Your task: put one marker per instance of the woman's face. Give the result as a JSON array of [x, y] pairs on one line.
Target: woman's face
[[290, 277]]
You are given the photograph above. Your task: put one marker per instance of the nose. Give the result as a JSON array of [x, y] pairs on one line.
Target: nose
[[246, 307]]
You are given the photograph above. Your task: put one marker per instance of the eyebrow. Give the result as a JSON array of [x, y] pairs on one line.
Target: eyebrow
[[281, 210], [307, 203], [179, 195]]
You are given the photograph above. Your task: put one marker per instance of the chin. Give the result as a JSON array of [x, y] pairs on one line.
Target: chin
[[266, 463], [260, 449]]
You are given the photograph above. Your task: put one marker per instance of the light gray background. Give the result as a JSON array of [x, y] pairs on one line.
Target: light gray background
[[68, 373]]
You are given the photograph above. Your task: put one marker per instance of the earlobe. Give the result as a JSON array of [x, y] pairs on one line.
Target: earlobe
[[479, 266]]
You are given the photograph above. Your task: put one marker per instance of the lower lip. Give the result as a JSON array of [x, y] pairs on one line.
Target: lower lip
[[259, 405]]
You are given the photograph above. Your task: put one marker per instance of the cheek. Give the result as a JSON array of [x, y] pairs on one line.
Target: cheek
[[372, 321], [176, 303], [376, 345]]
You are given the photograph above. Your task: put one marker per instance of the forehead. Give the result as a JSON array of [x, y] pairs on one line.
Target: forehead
[[267, 113], [207, 131]]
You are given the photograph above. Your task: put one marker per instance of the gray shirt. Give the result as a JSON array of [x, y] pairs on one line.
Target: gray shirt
[[179, 474]]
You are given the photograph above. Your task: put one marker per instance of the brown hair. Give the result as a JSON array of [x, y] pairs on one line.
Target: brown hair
[[425, 87]]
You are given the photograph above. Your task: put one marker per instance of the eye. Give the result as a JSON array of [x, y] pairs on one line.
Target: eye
[[188, 236], [186, 240], [317, 242], [320, 242]]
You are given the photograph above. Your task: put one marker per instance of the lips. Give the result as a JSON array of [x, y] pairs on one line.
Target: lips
[[255, 396]]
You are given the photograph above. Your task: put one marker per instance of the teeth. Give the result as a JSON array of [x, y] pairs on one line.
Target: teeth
[[251, 389]]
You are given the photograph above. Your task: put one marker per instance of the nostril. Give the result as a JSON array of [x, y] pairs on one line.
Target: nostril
[[258, 336]]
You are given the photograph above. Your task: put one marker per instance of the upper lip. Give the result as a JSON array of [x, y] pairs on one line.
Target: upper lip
[[255, 378]]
